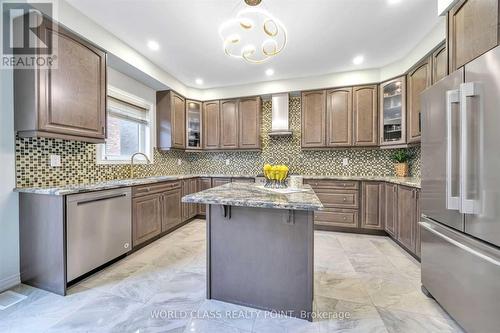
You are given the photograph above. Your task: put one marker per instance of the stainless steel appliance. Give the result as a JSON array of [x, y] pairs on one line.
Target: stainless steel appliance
[[99, 229], [460, 228]]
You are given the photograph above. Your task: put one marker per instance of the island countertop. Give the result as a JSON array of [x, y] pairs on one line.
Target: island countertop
[[253, 195]]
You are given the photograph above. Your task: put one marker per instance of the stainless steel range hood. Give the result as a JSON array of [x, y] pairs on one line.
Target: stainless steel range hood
[[280, 125]]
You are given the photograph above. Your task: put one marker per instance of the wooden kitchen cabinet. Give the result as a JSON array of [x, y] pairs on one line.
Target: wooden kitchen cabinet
[[171, 210], [365, 116], [407, 217], [419, 79], [229, 124], [204, 183], [372, 205], [189, 210], [390, 210], [473, 29], [67, 102], [439, 63], [392, 117], [211, 125], [170, 120], [146, 218], [249, 116], [220, 181], [339, 117], [313, 118]]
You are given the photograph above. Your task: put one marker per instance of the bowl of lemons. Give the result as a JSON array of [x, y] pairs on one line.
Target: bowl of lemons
[[276, 175]]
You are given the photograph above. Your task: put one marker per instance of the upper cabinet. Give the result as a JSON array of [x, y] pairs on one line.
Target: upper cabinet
[[365, 117], [313, 118], [170, 120], [393, 112], [211, 125], [193, 122], [67, 102], [229, 124], [473, 29], [339, 117], [249, 114], [439, 63], [419, 79]]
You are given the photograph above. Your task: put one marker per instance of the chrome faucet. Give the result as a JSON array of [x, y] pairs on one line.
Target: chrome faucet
[[132, 162]]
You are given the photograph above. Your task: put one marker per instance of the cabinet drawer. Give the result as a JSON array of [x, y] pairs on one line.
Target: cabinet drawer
[[336, 217], [154, 188], [338, 198], [333, 184]]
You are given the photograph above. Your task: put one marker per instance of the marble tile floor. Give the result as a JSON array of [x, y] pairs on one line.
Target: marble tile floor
[[362, 284]]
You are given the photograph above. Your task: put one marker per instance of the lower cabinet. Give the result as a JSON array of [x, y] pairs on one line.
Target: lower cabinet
[[156, 209], [146, 218], [203, 184], [390, 211], [407, 217], [220, 181], [171, 211], [372, 205], [189, 210]]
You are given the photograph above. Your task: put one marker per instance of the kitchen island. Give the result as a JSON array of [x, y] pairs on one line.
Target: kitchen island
[[260, 245]]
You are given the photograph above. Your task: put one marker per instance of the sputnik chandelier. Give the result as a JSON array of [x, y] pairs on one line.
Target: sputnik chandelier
[[253, 35]]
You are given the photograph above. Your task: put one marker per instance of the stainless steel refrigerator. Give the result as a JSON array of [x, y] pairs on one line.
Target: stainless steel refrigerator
[[460, 224]]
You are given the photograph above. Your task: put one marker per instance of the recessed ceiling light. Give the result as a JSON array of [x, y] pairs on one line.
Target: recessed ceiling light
[[269, 72], [393, 2], [199, 81], [358, 60], [153, 45]]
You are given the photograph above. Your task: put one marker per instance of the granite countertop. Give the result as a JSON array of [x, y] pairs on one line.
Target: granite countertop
[[81, 188], [254, 195]]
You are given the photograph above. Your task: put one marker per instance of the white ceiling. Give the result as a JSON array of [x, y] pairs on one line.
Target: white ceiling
[[323, 35]]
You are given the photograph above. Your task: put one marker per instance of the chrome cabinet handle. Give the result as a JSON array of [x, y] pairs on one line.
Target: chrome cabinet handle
[[101, 199], [452, 202]]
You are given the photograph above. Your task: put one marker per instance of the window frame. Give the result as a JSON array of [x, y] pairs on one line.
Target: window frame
[[151, 119]]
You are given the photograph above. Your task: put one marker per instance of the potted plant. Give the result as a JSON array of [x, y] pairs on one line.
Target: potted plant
[[400, 158]]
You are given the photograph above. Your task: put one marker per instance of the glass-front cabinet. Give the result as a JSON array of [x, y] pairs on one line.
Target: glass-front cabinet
[[393, 112], [193, 123]]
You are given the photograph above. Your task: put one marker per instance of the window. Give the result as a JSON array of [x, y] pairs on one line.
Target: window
[[128, 129]]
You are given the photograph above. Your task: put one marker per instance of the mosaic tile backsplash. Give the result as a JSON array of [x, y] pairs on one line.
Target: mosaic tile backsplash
[[79, 165]]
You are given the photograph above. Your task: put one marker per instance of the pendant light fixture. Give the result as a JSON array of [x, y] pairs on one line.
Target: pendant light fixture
[[254, 35]]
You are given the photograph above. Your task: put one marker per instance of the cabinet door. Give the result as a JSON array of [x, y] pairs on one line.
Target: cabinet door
[[249, 111], [193, 188], [418, 251], [146, 221], [184, 206], [407, 210], [472, 30], [390, 209], [211, 125], [220, 181], [229, 124], [393, 112], [418, 80], [313, 118], [178, 121], [365, 116], [439, 63], [339, 117], [193, 125], [372, 205], [171, 210], [203, 184], [72, 98]]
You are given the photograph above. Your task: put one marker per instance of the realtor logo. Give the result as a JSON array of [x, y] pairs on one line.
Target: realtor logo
[[28, 35]]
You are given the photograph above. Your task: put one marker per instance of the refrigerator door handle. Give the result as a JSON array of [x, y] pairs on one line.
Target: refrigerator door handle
[[467, 90], [452, 202]]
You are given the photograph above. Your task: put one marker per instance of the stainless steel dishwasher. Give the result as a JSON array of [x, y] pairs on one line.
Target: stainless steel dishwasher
[[99, 229]]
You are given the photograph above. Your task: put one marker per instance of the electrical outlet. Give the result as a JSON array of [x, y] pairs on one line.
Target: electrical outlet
[[55, 160], [228, 162], [179, 161], [345, 161]]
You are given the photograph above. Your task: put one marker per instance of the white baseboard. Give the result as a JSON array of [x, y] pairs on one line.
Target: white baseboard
[[9, 282]]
